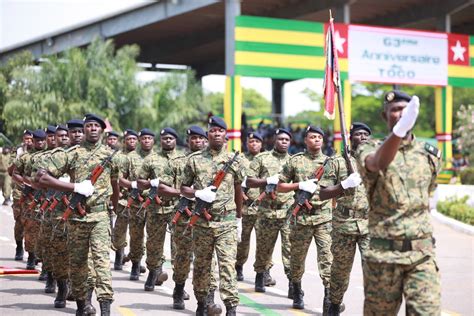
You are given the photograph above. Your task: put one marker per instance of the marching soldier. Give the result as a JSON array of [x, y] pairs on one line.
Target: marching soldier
[[263, 172], [249, 211], [112, 139], [5, 179], [399, 175], [220, 232], [312, 221], [349, 218]]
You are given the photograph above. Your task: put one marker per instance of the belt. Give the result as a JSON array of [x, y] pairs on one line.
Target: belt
[[97, 208], [223, 216], [403, 245], [348, 212]]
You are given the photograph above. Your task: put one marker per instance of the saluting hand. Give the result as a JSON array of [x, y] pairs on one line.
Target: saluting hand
[[408, 119]]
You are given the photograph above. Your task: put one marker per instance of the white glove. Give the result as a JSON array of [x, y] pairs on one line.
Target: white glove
[[206, 194], [134, 185], [155, 182], [65, 179], [352, 181], [273, 179], [244, 183], [408, 119], [239, 229], [308, 185], [85, 188]]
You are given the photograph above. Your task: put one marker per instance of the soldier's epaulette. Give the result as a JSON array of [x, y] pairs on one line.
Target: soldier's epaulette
[[433, 150], [55, 150], [72, 148], [262, 154], [196, 153], [297, 155]]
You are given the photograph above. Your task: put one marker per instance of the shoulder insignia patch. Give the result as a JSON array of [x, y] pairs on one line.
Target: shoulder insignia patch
[[433, 150]]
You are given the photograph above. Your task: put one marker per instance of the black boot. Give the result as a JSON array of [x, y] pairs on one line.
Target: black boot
[[290, 290], [269, 281], [118, 265], [259, 282], [150, 281], [19, 250], [89, 309], [43, 275], [240, 275], [69, 297], [142, 269], [201, 309], [60, 300], [326, 301], [50, 283], [178, 301], [212, 307], [231, 310], [185, 295], [135, 273], [298, 295], [162, 276], [30, 264], [105, 307], [334, 310], [81, 304]]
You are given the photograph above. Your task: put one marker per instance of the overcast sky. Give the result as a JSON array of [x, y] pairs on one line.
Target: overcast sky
[[24, 20]]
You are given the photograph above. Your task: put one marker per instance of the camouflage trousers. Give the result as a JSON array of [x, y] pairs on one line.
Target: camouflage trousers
[[59, 256], [249, 222], [267, 235], [137, 235], [156, 227], [120, 230], [43, 245], [19, 229], [343, 250], [418, 283], [92, 273], [221, 238], [84, 239], [184, 256], [6, 185], [32, 228], [301, 237]]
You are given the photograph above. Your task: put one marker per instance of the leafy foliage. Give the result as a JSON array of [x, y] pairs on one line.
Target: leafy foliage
[[457, 208]]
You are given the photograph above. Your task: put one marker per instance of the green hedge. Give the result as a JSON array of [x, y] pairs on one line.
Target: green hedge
[[467, 175], [458, 209]]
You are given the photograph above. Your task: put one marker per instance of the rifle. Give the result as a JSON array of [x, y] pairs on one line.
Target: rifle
[[26, 193], [35, 201], [202, 206], [77, 200], [183, 207], [58, 197], [110, 209], [152, 196], [270, 189], [133, 196], [303, 197]]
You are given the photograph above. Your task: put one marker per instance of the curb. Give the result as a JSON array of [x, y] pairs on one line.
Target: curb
[[451, 222]]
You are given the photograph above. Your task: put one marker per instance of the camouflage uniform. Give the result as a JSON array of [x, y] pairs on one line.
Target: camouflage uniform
[[158, 217], [5, 179], [349, 223], [91, 233], [309, 223], [220, 233], [271, 213], [401, 259], [17, 208], [249, 218]]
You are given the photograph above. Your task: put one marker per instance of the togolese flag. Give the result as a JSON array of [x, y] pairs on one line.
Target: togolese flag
[[332, 80], [460, 60]]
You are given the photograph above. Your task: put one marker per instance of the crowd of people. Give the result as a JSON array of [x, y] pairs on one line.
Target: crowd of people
[[72, 185]]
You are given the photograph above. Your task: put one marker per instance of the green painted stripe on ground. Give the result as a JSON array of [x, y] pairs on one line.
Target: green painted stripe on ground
[[279, 24], [279, 48], [247, 301], [461, 82]]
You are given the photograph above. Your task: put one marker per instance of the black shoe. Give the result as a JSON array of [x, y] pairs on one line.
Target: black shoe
[[259, 282], [6, 202], [290, 290], [231, 310], [326, 301], [60, 300], [185, 295], [201, 309], [298, 294], [135, 273], [334, 309], [43, 275], [50, 283], [240, 275], [81, 304], [31, 263], [105, 307], [269, 281], [178, 300], [162, 276], [19, 250], [150, 281], [118, 265], [89, 309], [212, 307]]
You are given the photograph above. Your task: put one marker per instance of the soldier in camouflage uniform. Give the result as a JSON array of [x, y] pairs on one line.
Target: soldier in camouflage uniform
[[89, 233], [263, 171], [21, 175], [119, 240], [399, 175], [5, 179], [299, 174], [349, 218], [112, 139], [128, 180], [220, 233], [158, 217], [249, 212]]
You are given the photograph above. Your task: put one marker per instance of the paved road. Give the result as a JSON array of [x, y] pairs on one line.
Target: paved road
[[23, 295]]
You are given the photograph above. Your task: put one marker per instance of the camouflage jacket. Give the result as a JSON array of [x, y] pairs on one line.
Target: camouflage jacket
[[199, 172], [350, 216], [264, 165], [4, 162], [301, 167], [78, 162], [131, 166], [253, 193], [14, 158], [398, 198]]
